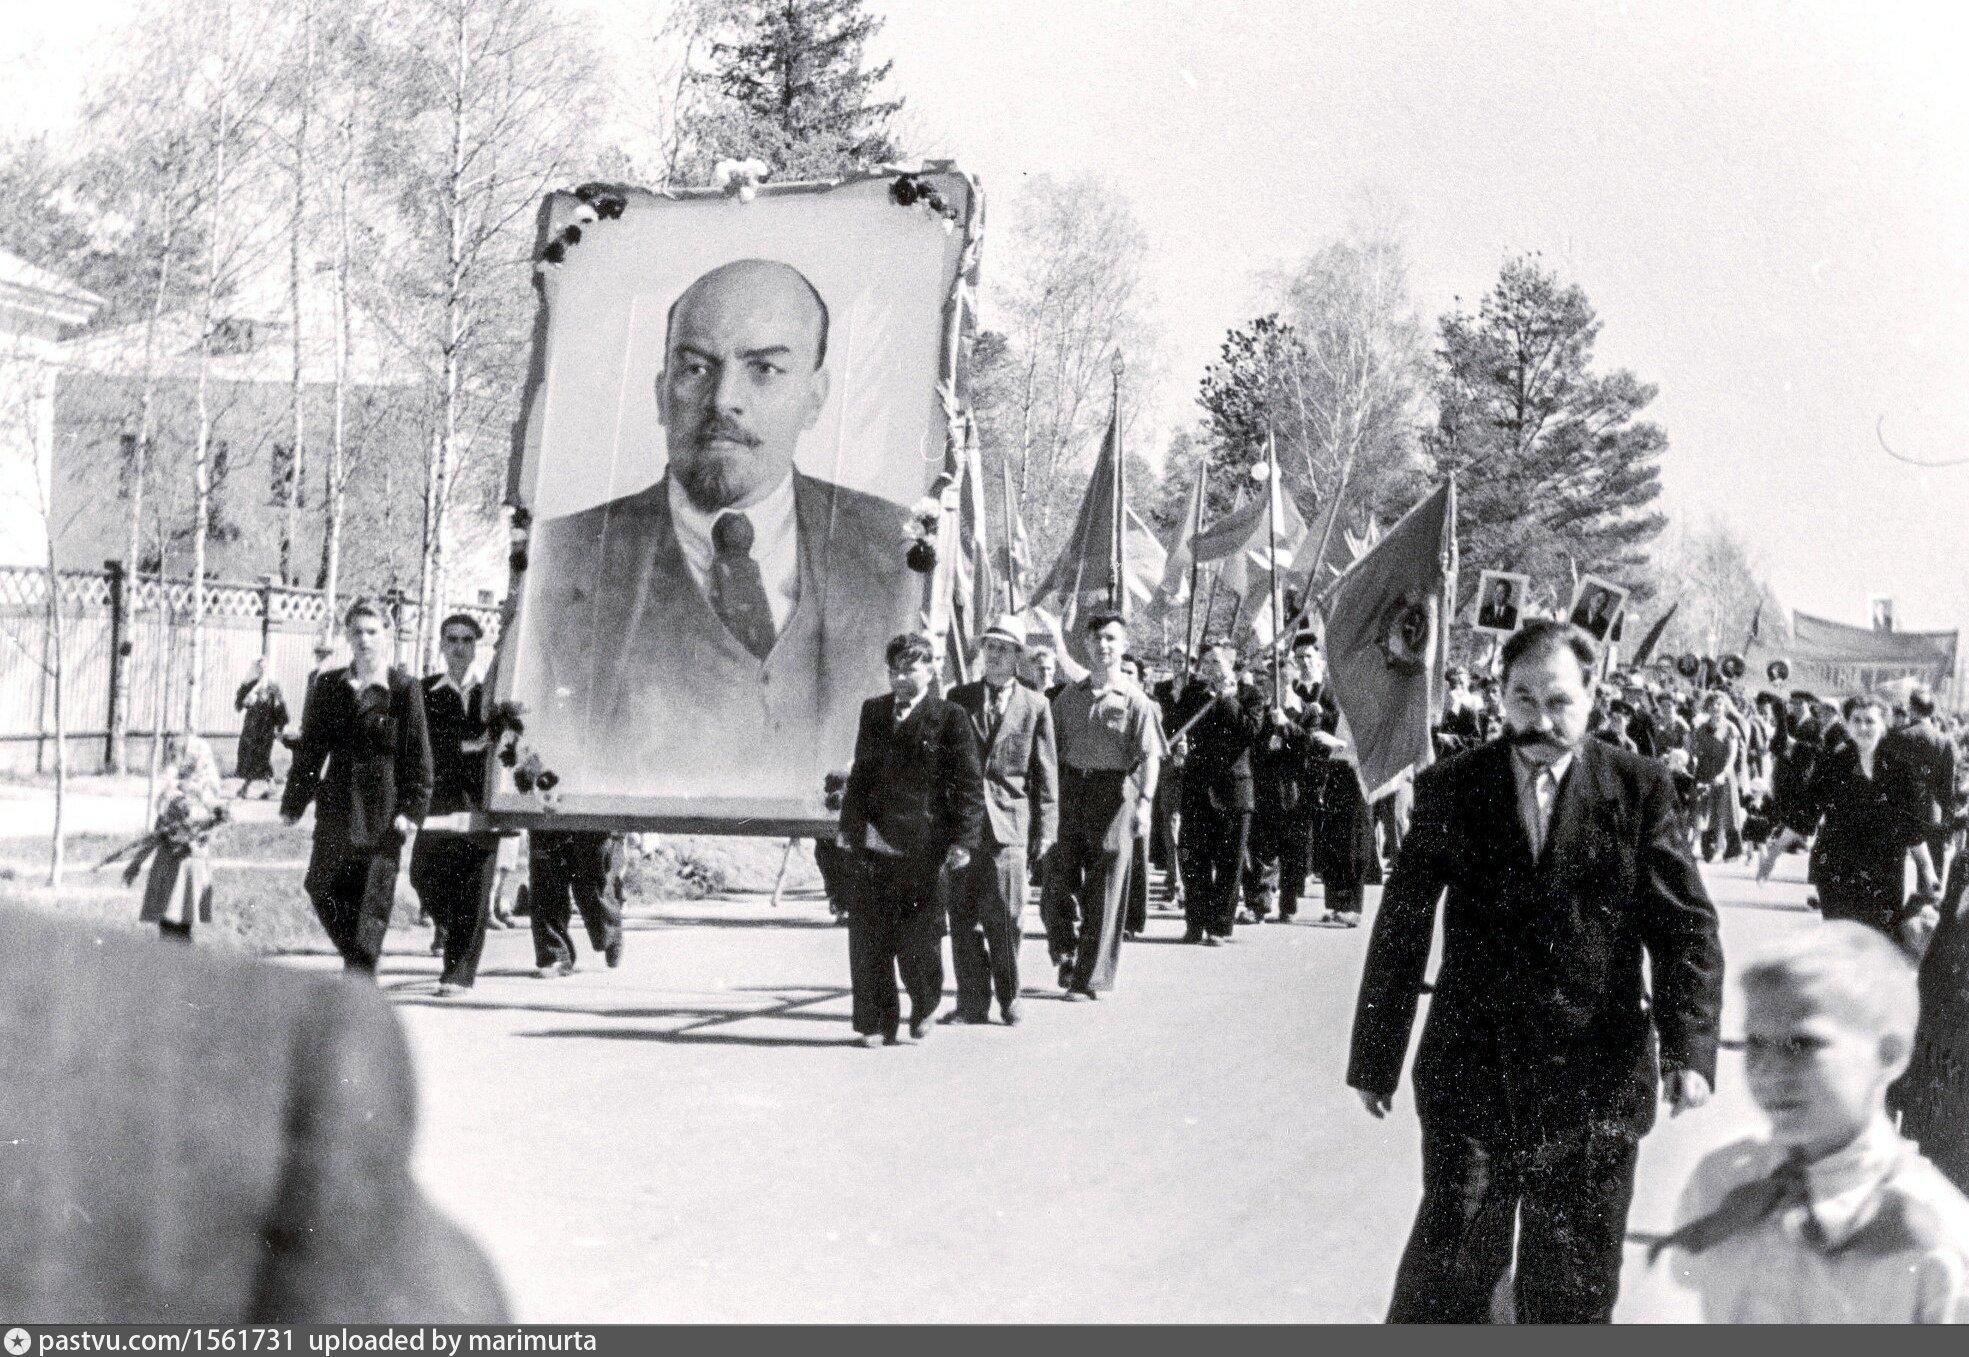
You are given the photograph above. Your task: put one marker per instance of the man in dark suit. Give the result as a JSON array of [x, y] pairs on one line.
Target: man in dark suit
[[1595, 613], [364, 760], [1014, 726], [1931, 756], [1500, 610], [914, 811], [187, 1137], [709, 635], [1566, 862], [1291, 761], [1223, 721], [450, 867]]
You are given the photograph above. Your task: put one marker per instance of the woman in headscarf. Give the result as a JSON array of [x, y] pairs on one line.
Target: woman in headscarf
[[266, 716], [178, 892]]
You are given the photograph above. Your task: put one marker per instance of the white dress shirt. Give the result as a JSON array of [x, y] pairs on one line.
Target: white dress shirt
[[1538, 795], [775, 544]]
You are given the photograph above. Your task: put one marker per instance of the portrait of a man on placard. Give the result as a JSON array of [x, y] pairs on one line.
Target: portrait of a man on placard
[[1596, 606], [698, 640], [1498, 595]]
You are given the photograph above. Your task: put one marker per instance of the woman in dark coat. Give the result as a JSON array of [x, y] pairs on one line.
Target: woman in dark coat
[[266, 717], [1864, 802]]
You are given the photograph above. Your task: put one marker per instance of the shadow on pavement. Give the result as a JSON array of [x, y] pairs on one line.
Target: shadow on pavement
[[689, 1037]]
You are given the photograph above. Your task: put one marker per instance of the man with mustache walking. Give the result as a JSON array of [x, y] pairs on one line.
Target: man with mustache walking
[[717, 630], [1565, 863]]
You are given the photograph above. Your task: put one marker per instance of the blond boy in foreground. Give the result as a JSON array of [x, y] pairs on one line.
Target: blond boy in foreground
[[1834, 1218]]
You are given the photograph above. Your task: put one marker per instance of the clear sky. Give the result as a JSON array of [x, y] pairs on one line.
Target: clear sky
[[1768, 203]]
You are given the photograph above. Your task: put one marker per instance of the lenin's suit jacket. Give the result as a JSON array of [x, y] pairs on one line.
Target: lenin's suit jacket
[[362, 761], [1505, 618], [634, 686], [190, 1139], [1540, 1022], [1218, 771], [919, 783], [1021, 765]]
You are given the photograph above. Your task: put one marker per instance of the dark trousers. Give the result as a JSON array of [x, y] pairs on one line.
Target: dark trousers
[[353, 896], [986, 901], [1214, 846], [568, 870], [1086, 887], [1566, 1199], [1295, 859], [896, 926], [450, 874], [1136, 902]]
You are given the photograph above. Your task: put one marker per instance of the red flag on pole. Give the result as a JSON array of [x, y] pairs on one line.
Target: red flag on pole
[[1384, 640], [1242, 540], [1085, 576]]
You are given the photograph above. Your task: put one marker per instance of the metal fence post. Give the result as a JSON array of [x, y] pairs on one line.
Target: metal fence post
[[114, 751], [267, 584]]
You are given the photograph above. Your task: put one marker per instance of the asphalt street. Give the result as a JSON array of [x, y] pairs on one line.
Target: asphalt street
[[690, 1138]]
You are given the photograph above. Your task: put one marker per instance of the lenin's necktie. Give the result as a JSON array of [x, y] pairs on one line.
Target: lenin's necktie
[[738, 591]]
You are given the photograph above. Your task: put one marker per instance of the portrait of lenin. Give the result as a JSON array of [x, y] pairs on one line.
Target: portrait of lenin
[[713, 633]]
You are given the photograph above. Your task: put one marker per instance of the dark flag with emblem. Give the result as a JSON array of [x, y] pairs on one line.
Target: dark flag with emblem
[[1384, 640]]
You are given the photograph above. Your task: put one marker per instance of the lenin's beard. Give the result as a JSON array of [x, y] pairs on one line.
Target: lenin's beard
[[718, 477]]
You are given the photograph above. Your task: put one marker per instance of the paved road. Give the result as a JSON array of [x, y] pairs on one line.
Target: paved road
[[688, 1138]]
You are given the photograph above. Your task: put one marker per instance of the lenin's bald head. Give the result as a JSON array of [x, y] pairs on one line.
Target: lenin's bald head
[[741, 379]]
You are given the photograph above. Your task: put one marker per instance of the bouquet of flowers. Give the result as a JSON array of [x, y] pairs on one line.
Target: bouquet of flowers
[[186, 820]]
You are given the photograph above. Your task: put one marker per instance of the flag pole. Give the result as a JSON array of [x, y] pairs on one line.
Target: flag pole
[[1272, 492], [1316, 589], [1118, 580], [1196, 566], [1011, 542]]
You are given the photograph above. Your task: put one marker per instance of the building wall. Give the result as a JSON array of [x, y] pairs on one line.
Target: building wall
[[95, 426]]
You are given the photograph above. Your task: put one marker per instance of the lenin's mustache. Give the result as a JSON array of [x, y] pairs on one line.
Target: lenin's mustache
[[722, 430]]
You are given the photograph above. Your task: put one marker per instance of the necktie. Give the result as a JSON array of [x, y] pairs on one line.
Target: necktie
[[1538, 821], [738, 591], [994, 710], [1745, 1208]]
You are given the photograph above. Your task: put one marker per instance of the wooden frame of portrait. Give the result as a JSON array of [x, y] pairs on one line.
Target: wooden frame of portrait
[[1520, 585], [612, 260]]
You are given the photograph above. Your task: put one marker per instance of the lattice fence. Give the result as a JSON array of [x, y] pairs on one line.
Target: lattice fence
[[243, 622]]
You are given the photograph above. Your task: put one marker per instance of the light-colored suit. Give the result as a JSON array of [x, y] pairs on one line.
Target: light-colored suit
[[1022, 819], [189, 1139]]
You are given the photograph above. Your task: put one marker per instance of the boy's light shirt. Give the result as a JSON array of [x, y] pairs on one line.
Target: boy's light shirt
[[1774, 1273]]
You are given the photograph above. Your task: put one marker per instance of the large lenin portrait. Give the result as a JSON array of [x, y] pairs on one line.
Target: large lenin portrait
[[734, 403]]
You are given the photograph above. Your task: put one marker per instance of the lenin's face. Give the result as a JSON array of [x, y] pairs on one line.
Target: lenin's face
[[740, 381]]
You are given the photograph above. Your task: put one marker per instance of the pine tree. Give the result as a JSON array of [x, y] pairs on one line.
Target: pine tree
[[1555, 471], [791, 90]]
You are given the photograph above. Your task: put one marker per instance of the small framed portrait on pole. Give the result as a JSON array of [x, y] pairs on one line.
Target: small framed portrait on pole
[[1596, 606], [1500, 602], [737, 399]]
